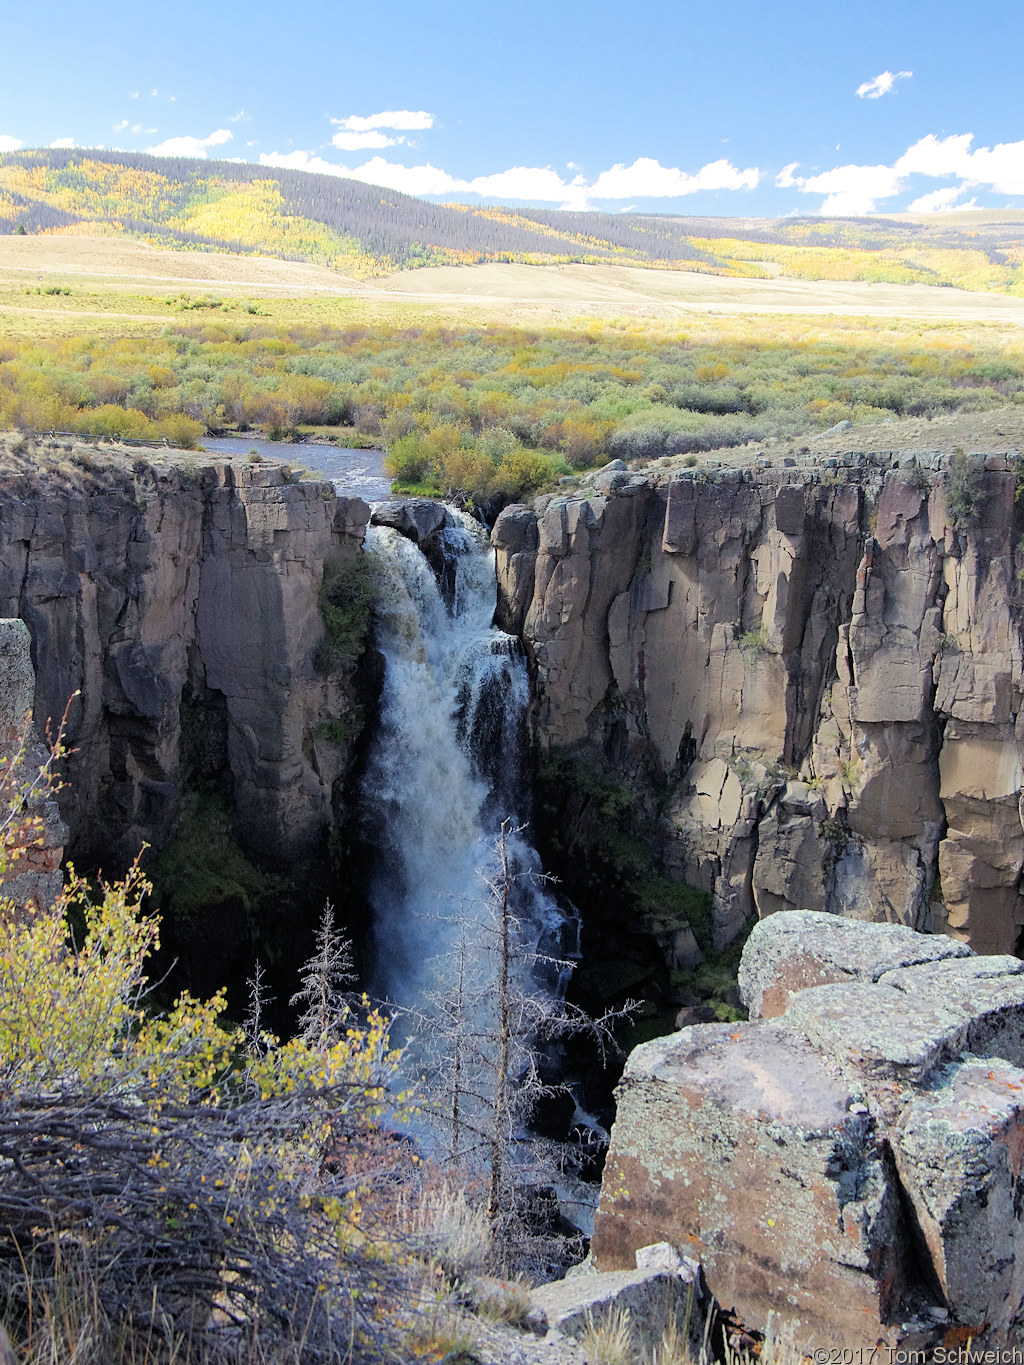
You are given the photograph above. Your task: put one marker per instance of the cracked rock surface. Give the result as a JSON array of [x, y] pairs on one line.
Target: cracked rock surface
[[853, 1164]]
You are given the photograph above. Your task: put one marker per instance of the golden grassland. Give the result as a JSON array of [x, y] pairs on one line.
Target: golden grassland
[[114, 286], [491, 381]]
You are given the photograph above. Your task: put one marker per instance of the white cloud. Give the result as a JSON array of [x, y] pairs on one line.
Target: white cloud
[[240, 117], [648, 179], [881, 84], [190, 146], [853, 190], [785, 178], [139, 128], [120, 127], [414, 180], [62, 142], [531, 182], [403, 119], [644, 179], [932, 155], [10, 144], [941, 201], [133, 95], [1001, 167], [357, 142]]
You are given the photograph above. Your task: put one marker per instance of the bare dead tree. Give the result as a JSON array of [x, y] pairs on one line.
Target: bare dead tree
[[326, 979], [480, 1029]]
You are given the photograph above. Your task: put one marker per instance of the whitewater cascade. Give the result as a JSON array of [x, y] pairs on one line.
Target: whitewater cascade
[[447, 767]]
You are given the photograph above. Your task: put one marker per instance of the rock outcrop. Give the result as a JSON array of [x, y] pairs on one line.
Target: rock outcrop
[[825, 664], [179, 581], [34, 832], [661, 1299], [852, 1159]]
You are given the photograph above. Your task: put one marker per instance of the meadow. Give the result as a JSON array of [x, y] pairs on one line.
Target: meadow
[[488, 404]]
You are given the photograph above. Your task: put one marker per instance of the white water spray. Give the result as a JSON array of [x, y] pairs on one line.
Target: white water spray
[[447, 765]]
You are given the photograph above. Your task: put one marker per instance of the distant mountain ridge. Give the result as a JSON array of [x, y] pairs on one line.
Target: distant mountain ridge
[[366, 230]]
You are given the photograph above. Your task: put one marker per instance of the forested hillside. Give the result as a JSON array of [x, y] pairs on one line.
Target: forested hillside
[[364, 230]]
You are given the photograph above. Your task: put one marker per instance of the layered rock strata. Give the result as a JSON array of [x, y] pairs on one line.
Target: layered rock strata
[[851, 1159], [825, 664], [182, 582]]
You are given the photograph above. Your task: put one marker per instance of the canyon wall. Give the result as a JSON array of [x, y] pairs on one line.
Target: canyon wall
[[823, 664], [182, 590]]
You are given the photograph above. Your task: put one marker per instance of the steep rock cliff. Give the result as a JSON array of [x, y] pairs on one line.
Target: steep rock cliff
[[825, 664], [177, 581]]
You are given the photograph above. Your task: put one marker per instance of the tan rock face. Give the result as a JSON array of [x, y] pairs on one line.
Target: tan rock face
[[183, 583], [829, 673], [739, 1144]]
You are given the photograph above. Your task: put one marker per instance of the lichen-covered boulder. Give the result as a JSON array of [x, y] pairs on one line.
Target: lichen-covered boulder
[[853, 1165], [661, 1294], [746, 1148], [959, 1149], [795, 949]]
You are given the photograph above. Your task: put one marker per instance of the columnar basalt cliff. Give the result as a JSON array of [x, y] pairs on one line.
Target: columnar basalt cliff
[[824, 663], [182, 582]]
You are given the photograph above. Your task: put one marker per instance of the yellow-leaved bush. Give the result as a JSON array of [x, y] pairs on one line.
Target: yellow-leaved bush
[[198, 1162]]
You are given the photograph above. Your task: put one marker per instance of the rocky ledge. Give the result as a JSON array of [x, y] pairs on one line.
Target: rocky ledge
[[851, 1159]]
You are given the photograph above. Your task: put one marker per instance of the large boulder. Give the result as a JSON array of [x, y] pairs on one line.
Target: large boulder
[[417, 518], [958, 1148], [744, 1146], [851, 1161], [792, 950], [661, 1296]]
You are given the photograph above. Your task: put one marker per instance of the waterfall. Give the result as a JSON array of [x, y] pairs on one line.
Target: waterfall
[[446, 768]]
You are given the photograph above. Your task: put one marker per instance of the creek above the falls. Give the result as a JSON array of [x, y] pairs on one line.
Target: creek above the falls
[[354, 473]]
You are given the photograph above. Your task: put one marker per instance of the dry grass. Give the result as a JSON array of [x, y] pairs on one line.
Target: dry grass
[[122, 287], [506, 1301], [608, 1340]]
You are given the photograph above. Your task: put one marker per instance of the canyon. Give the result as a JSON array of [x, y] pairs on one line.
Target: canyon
[[809, 672], [821, 663], [805, 676]]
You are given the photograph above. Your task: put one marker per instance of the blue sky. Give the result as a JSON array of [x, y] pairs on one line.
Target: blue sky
[[736, 108]]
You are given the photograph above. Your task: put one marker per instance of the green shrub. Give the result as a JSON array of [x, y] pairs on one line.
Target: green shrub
[[667, 905], [203, 866], [753, 642], [522, 472], [346, 601], [964, 488]]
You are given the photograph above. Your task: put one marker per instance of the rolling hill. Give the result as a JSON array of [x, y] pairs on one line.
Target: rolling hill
[[365, 231]]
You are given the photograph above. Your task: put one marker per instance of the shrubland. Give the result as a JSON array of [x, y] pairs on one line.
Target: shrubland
[[179, 1187], [499, 411], [175, 1187]]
